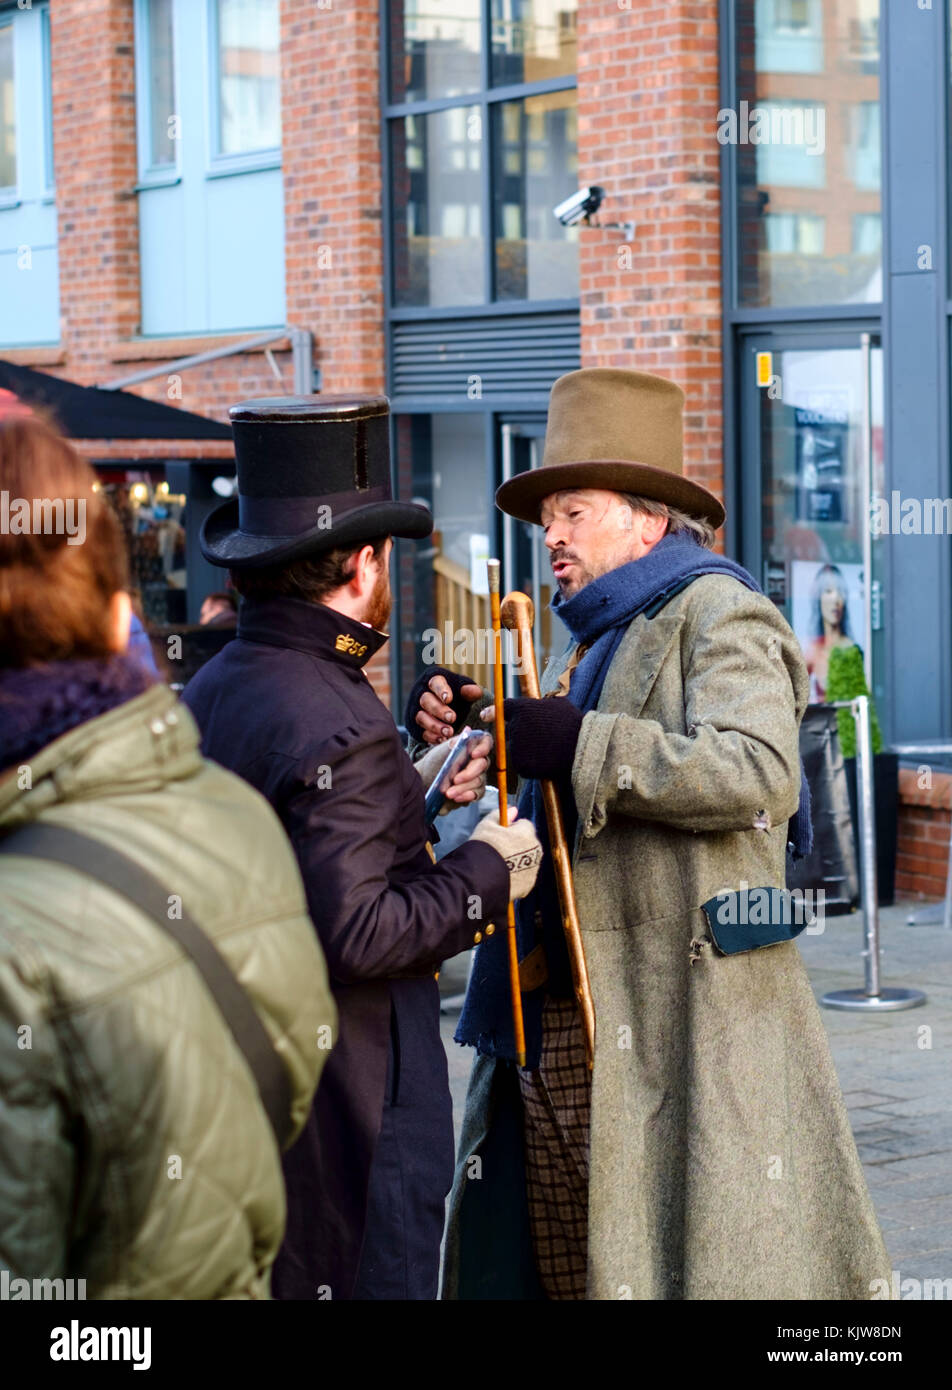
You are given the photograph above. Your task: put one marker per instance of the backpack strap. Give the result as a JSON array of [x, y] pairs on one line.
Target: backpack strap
[[100, 861]]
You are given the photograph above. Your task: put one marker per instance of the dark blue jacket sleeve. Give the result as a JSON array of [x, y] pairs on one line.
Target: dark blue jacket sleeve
[[376, 919]]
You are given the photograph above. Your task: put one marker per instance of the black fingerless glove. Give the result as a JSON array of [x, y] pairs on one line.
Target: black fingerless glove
[[542, 735], [420, 688]]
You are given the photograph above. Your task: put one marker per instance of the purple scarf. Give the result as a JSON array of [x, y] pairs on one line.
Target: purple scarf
[[40, 703]]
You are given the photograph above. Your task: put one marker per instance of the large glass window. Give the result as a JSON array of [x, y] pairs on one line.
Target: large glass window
[[807, 137], [436, 49], [533, 40], [535, 155], [161, 81], [441, 461], [249, 95], [8, 122], [438, 239], [821, 451], [29, 267], [444, 207], [789, 35], [198, 231]]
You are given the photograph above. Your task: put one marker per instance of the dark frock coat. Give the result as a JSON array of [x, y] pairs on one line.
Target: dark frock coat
[[287, 707]]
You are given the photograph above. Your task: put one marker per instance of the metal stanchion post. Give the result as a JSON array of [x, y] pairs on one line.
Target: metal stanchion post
[[873, 998]]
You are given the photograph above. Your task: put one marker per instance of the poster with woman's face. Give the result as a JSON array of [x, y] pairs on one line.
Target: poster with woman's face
[[829, 608]]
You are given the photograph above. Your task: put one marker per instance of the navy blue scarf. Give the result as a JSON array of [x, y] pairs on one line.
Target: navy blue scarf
[[598, 617], [41, 703]]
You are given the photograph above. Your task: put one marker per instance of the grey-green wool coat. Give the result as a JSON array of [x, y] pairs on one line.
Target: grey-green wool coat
[[722, 1161]]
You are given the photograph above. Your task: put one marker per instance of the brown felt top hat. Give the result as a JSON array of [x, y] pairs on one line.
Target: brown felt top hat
[[612, 429]]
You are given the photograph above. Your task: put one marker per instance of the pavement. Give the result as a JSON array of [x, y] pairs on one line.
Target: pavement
[[894, 1069]]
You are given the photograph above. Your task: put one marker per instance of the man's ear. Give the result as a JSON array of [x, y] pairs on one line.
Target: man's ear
[[120, 619], [361, 577], [654, 527]]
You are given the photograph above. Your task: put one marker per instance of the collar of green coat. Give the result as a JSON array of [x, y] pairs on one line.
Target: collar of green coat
[[135, 748]]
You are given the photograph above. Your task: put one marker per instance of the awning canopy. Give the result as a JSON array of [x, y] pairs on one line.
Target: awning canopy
[[89, 412]]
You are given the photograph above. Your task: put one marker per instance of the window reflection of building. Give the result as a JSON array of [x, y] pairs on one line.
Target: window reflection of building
[[438, 156], [436, 49], [441, 153], [161, 80], [796, 60], [248, 76], [536, 146], [441, 461], [533, 40], [8, 128]]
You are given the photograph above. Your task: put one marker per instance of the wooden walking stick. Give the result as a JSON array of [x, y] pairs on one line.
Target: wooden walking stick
[[514, 984], [517, 614]]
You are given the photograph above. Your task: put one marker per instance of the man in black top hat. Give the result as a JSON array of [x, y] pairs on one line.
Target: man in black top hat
[[287, 706]]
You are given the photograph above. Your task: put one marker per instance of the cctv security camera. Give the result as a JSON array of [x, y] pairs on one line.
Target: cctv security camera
[[580, 206]]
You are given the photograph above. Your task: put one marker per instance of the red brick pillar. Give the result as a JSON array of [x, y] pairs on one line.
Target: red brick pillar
[[648, 102], [94, 152], [332, 187]]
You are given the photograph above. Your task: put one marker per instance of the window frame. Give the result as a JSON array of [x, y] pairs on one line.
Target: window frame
[[10, 192], [483, 98], [224, 165], [46, 60], [736, 312], [151, 175]]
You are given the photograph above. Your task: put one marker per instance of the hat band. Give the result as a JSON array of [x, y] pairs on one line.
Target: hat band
[[295, 516]]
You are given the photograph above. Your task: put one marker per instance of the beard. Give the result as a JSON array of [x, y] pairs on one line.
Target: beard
[[380, 603], [571, 584], [581, 575]]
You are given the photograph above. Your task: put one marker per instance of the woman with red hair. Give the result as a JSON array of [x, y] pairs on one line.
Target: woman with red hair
[[138, 1147]]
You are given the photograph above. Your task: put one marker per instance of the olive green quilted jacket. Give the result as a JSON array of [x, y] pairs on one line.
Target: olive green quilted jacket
[[135, 1152]]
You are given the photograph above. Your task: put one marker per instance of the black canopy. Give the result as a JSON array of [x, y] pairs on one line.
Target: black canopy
[[89, 412]]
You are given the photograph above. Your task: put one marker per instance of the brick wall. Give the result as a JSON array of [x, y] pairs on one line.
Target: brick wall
[[648, 100], [332, 182], [94, 126], [924, 825], [94, 147]]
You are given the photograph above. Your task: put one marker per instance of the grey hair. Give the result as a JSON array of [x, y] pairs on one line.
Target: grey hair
[[678, 521]]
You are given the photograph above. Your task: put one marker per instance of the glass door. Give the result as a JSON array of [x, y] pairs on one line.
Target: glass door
[[812, 461], [525, 559]]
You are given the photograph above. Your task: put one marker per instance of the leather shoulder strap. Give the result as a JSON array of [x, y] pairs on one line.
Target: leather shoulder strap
[[656, 604], [107, 865]]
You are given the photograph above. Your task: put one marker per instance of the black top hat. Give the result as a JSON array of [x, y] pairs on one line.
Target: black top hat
[[313, 473]]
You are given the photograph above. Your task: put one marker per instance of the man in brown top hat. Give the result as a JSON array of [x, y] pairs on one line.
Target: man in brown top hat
[[288, 707], [709, 1154]]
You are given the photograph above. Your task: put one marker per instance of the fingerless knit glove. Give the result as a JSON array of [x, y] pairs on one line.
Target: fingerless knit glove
[[420, 688], [541, 735]]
